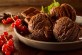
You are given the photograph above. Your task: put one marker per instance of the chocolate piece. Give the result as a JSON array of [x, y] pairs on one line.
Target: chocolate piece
[[66, 30], [29, 13]]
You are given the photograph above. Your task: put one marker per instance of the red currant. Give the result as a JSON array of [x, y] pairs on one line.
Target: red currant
[[9, 20], [2, 40], [10, 42], [16, 17], [13, 25], [9, 37], [4, 47], [18, 22], [8, 47], [19, 27], [7, 43], [2, 37], [7, 53], [6, 33], [23, 28], [4, 21], [1, 43]]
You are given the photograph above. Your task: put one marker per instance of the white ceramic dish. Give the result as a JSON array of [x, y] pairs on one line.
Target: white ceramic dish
[[51, 46]]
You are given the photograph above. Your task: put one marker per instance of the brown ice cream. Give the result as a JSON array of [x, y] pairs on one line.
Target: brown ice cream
[[41, 27], [65, 10], [66, 30]]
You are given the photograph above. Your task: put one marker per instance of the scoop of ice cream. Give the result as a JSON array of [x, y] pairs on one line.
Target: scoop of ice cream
[[39, 21], [65, 10], [66, 30], [40, 27], [70, 11]]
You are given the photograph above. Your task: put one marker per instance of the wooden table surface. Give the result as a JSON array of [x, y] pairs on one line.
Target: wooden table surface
[[21, 48]]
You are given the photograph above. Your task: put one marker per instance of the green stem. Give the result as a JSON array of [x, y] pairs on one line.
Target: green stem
[[12, 17]]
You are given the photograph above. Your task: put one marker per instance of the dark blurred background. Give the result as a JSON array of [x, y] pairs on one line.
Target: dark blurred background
[[77, 4]]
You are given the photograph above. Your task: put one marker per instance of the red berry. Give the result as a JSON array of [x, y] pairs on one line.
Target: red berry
[[9, 20], [7, 44], [4, 47], [19, 27], [7, 53], [23, 28], [1, 43], [4, 21], [16, 17], [9, 37], [8, 47], [10, 42], [13, 25], [6, 33], [18, 22], [2, 37]]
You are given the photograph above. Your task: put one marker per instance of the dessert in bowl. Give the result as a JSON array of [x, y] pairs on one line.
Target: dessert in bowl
[[57, 29]]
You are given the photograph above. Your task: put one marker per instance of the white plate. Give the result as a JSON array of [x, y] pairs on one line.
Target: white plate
[[51, 46], [79, 19]]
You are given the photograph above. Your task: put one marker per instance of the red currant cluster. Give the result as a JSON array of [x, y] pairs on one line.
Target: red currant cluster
[[6, 43], [21, 28], [9, 20], [16, 22]]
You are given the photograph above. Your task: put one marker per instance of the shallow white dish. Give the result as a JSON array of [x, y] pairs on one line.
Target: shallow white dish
[[51, 46]]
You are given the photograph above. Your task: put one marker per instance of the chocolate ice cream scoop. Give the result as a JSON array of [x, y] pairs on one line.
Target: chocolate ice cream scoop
[[65, 10], [39, 21], [40, 27], [70, 11], [66, 30]]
